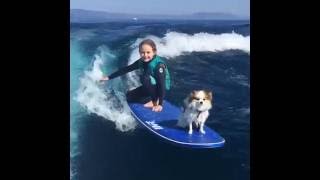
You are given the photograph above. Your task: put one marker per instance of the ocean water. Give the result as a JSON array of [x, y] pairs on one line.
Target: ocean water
[[106, 141]]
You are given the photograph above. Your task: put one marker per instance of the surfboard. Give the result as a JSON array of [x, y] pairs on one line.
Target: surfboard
[[163, 125]]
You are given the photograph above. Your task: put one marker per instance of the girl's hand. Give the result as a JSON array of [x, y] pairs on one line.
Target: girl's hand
[[105, 78], [157, 108]]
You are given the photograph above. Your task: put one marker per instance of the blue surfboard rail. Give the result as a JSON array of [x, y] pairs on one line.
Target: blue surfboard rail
[[163, 124]]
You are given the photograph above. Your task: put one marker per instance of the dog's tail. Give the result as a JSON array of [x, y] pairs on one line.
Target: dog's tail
[[181, 122]]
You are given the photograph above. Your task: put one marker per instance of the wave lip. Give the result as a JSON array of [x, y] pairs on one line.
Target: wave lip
[[107, 103]]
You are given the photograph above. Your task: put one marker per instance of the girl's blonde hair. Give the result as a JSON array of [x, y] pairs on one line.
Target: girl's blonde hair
[[150, 43]]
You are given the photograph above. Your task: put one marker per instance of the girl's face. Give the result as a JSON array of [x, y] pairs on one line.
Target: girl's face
[[146, 52]]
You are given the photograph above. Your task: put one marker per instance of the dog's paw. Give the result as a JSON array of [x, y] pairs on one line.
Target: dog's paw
[[190, 132], [202, 131]]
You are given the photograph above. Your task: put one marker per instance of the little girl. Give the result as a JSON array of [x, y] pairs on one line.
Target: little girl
[[155, 77]]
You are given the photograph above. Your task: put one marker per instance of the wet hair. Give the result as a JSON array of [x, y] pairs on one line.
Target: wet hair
[[150, 43]]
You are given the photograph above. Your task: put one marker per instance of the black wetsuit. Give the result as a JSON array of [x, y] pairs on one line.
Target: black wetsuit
[[147, 90]]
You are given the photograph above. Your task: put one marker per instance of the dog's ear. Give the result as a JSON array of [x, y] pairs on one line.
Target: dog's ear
[[192, 95], [209, 95]]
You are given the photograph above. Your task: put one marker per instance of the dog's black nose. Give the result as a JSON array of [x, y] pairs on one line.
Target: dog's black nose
[[201, 102]]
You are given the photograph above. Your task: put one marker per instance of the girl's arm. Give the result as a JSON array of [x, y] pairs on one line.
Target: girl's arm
[[160, 77], [123, 71]]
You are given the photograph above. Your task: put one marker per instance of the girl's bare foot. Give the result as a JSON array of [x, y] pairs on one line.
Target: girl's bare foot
[[157, 108], [148, 104]]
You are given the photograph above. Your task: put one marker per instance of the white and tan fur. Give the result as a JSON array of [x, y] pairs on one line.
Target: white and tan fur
[[196, 110]]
